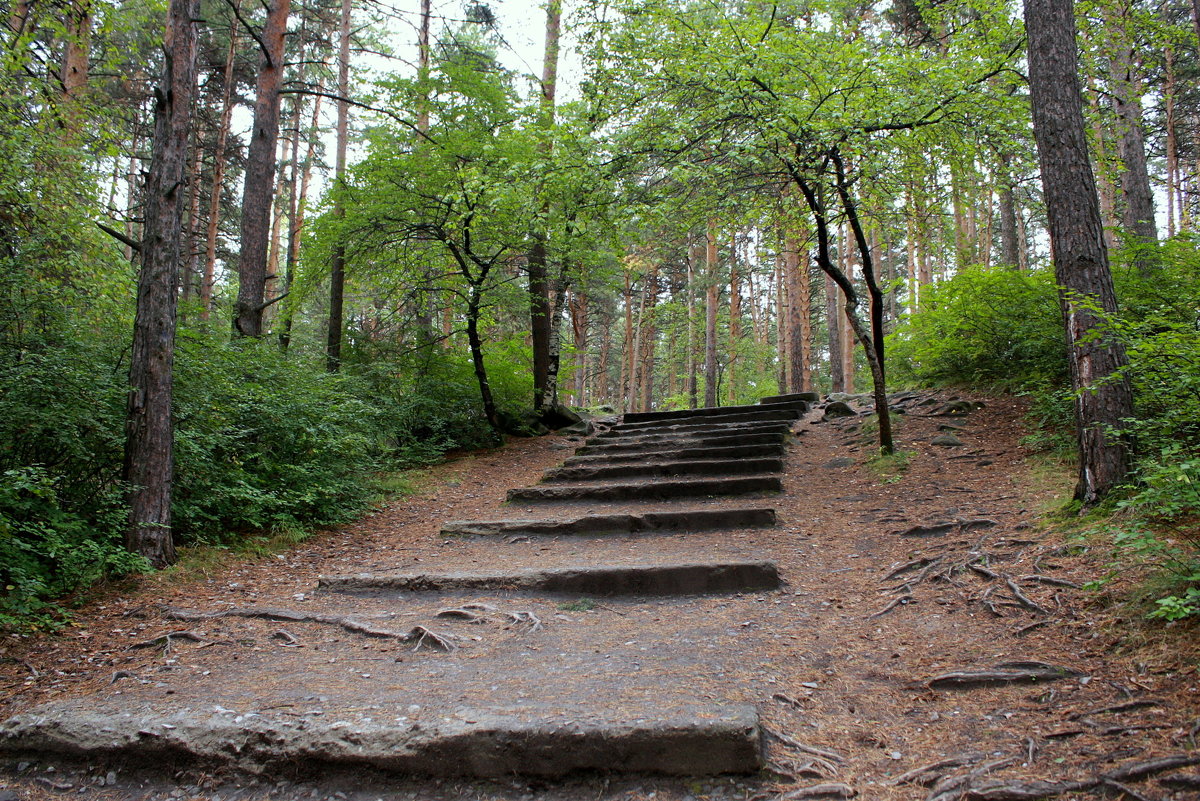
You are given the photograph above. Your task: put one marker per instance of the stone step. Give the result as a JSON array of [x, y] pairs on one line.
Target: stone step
[[648, 490], [686, 520], [753, 414], [601, 445], [696, 739], [669, 579], [703, 429], [679, 454], [665, 469], [715, 412], [792, 397]]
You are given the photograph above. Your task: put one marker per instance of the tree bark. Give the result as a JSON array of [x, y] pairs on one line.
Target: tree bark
[[218, 172], [837, 376], [337, 260], [1103, 397], [297, 209], [149, 434], [1137, 209], [691, 382], [541, 326], [259, 189], [735, 319], [711, 298]]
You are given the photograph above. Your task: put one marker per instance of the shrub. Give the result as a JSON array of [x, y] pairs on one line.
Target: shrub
[[985, 325]]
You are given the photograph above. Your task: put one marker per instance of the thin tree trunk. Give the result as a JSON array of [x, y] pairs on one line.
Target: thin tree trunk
[[218, 172], [735, 319], [149, 434], [337, 261], [1137, 213], [691, 381], [259, 188], [541, 326], [711, 298], [837, 376], [297, 208], [579, 332], [783, 337], [76, 52], [649, 340], [1102, 399], [628, 357]]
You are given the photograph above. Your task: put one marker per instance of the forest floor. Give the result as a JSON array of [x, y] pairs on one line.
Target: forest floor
[[893, 578]]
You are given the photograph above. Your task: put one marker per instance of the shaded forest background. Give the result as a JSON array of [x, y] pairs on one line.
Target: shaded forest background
[[393, 245]]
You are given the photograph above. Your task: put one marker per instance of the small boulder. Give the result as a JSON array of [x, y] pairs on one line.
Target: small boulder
[[838, 463], [560, 416], [947, 441], [838, 408]]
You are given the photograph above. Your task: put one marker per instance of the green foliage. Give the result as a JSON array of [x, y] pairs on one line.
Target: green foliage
[[47, 550], [1175, 607], [264, 442], [984, 325]]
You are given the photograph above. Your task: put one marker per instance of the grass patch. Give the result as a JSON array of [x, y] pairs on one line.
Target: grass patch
[[889, 467], [580, 605]]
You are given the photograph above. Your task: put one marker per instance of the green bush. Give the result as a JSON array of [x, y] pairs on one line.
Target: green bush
[[47, 551], [264, 442], [985, 325]]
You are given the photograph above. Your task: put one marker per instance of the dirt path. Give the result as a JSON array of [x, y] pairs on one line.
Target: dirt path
[[890, 583]]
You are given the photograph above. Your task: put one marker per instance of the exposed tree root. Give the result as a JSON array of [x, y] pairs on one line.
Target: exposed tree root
[[1003, 673], [420, 635], [164, 641], [903, 599], [928, 774], [1116, 779], [827, 790]]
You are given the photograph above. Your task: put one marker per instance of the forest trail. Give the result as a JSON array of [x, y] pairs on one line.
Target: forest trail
[[914, 635]]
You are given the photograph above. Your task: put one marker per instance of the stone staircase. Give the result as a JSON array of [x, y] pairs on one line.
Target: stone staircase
[[699, 470]]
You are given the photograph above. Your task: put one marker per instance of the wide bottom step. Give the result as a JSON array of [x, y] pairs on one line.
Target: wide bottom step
[[640, 580], [703, 740]]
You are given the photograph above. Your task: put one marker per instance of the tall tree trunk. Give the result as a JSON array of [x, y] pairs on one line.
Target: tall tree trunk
[[1137, 211], [711, 298], [297, 208], [1009, 255], [541, 326], [557, 308], [76, 52], [837, 375], [628, 356], [218, 171], [579, 336], [649, 340], [1103, 399], [690, 380], [259, 189], [735, 319], [192, 249], [800, 313], [149, 434], [783, 336], [1172, 143], [337, 259]]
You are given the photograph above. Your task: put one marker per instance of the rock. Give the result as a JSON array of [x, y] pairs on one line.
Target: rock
[[957, 408], [838, 408], [949, 427], [560, 416], [947, 441], [584, 428], [525, 424], [840, 462], [9, 795]]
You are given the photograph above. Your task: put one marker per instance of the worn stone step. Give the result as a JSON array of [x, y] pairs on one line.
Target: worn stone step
[[680, 454], [699, 739], [670, 579], [715, 412], [805, 397], [648, 490], [600, 445], [679, 431], [684, 520], [754, 414], [665, 469]]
